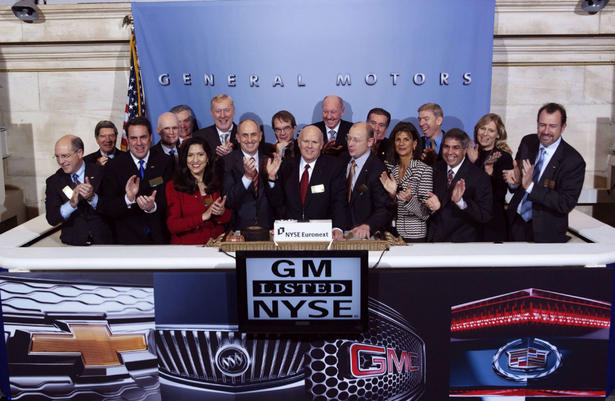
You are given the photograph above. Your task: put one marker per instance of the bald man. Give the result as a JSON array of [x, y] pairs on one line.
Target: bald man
[[334, 129], [71, 196], [311, 185], [244, 180], [168, 129], [369, 206]]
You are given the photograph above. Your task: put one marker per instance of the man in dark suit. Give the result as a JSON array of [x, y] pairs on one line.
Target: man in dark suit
[[187, 121], [334, 129], [168, 129], [284, 127], [462, 198], [430, 122], [310, 186], [548, 178], [244, 180], [368, 202], [105, 133], [71, 196], [133, 188], [379, 119], [221, 137]]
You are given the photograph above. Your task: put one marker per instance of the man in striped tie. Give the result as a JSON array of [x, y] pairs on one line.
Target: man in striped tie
[[547, 180], [462, 199]]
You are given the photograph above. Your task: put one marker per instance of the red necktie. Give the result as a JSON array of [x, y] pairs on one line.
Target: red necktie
[[255, 180], [303, 185], [451, 175]]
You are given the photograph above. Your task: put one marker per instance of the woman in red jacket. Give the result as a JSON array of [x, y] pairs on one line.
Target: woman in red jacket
[[195, 210]]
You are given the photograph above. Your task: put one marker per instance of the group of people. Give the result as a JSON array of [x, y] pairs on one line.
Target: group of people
[[195, 184]]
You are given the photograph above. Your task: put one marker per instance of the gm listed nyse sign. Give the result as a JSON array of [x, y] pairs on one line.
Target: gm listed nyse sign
[[303, 288]]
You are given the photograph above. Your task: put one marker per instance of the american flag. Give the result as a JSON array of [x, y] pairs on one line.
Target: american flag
[[135, 104]]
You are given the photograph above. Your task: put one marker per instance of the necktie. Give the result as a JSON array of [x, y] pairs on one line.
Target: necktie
[[526, 205], [225, 137], [172, 153], [450, 177], [255, 180], [331, 134], [432, 144], [141, 170], [75, 178], [353, 167], [303, 184]]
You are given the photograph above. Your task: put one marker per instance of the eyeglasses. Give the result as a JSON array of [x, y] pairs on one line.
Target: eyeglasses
[[286, 129], [61, 158]]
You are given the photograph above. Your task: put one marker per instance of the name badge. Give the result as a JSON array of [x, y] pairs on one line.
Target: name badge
[[154, 182], [316, 189], [68, 191]]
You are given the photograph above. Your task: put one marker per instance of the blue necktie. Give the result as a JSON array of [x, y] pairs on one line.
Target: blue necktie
[[172, 152], [141, 170], [75, 178], [526, 205]]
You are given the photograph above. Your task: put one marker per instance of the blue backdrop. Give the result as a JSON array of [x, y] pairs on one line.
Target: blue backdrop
[[272, 55]]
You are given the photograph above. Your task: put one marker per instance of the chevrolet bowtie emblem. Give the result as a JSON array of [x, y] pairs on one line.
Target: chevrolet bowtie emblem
[[94, 342]]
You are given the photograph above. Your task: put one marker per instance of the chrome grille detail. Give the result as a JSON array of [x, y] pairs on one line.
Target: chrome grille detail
[[188, 355]]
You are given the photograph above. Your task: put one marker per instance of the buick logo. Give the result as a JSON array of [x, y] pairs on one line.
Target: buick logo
[[232, 360], [526, 358]]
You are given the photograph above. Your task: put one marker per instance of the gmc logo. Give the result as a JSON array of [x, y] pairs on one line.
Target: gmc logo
[[382, 360]]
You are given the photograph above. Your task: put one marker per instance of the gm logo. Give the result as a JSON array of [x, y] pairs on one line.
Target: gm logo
[[232, 360]]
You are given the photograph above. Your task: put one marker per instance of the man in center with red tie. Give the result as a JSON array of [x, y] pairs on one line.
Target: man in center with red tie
[[244, 180], [462, 198], [309, 186]]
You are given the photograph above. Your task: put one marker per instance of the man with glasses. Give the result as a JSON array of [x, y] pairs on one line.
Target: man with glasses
[[106, 137], [71, 196], [284, 127]]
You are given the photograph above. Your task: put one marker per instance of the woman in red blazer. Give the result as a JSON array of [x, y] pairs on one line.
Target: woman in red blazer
[[195, 210]]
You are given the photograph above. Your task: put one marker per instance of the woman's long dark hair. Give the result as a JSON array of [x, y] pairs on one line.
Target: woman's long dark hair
[[409, 128], [184, 180]]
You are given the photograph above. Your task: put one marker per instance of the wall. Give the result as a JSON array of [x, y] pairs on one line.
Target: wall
[[66, 73]]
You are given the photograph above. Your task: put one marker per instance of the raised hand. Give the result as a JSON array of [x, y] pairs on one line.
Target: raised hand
[[147, 203], [273, 166], [458, 190], [472, 152], [132, 187], [249, 168], [433, 203], [389, 183]]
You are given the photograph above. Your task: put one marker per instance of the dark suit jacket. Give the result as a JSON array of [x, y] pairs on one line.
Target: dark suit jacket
[[496, 230], [381, 149], [84, 222], [184, 217], [92, 157], [210, 135], [248, 209], [557, 192], [370, 203], [157, 148], [423, 143], [330, 203], [341, 138], [450, 223], [132, 225]]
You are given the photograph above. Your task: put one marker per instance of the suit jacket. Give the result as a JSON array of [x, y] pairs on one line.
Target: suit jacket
[[423, 144], [184, 217], [210, 135], [341, 138], [248, 208], [92, 157], [557, 192], [496, 230], [381, 148], [325, 198], [157, 148], [450, 223], [133, 225], [85, 223], [369, 202]]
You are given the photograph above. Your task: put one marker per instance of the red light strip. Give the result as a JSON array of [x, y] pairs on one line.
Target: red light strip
[[527, 392], [556, 319]]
